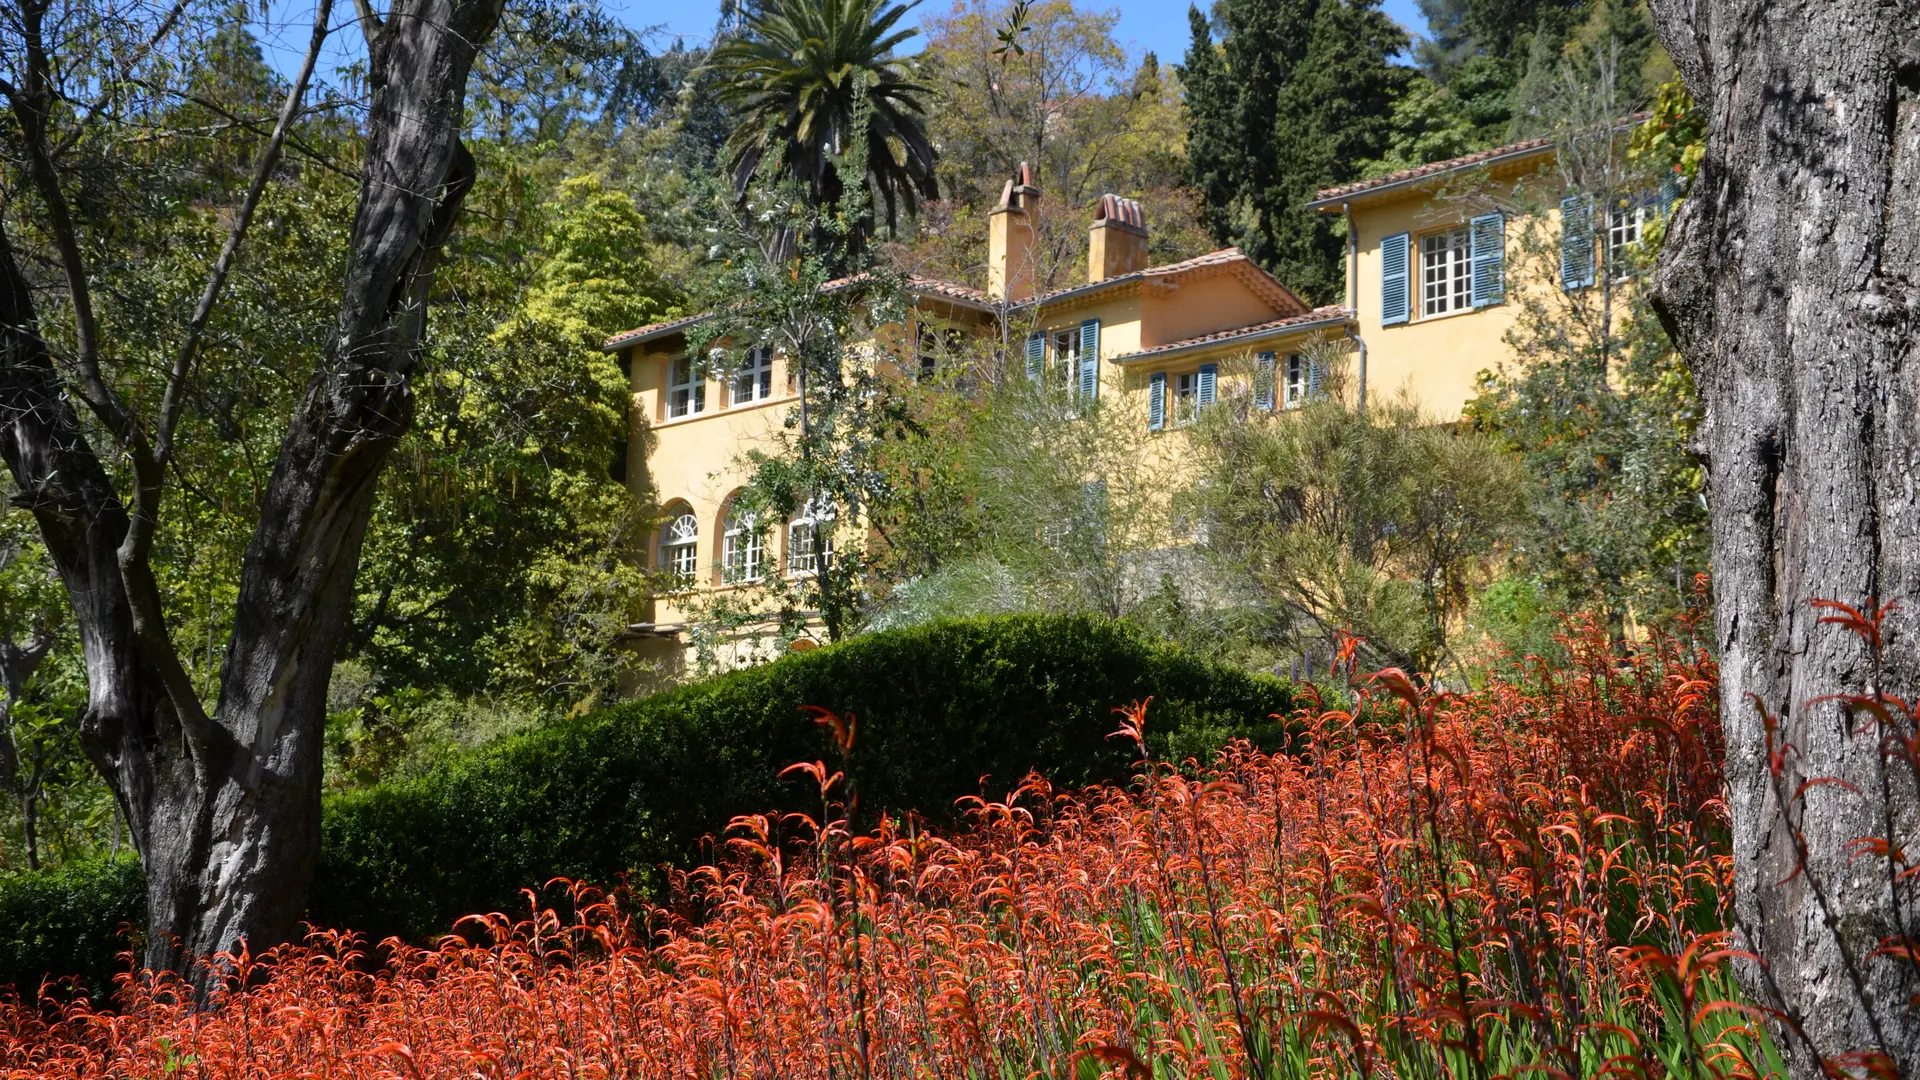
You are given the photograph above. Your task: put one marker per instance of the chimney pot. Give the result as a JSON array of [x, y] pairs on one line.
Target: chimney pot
[[1013, 239], [1117, 243]]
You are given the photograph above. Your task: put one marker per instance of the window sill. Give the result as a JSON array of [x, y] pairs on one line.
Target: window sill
[[1445, 315], [731, 586], [708, 414]]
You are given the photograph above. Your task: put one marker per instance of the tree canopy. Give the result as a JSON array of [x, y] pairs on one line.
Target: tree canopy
[[802, 74]]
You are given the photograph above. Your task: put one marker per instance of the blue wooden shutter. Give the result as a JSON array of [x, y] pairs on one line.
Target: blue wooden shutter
[[1316, 376], [1576, 242], [1089, 361], [1395, 300], [1667, 194], [1157, 401], [1036, 356], [1488, 236], [1263, 376], [1209, 374]]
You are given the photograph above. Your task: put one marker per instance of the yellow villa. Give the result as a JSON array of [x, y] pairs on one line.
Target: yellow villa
[[1426, 310], [1428, 275]]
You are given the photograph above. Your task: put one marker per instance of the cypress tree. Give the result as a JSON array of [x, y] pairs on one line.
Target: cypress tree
[[1214, 161], [1298, 94]]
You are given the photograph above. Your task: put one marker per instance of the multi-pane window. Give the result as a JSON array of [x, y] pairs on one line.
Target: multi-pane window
[[754, 379], [810, 541], [1446, 272], [1625, 219], [1186, 397], [679, 545], [686, 390], [1066, 357], [1293, 386], [743, 548], [926, 349]]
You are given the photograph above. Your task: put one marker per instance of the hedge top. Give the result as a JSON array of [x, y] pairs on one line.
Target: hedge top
[[945, 710]]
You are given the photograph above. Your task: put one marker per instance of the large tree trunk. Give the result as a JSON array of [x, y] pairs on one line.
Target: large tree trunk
[[225, 808], [1790, 281]]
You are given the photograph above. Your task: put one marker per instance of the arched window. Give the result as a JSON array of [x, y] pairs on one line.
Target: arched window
[[679, 545], [743, 547], [810, 538]]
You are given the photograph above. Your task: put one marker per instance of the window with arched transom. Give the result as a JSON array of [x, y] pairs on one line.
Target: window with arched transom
[[680, 545], [743, 546]]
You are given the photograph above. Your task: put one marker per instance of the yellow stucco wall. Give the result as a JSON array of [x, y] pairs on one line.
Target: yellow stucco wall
[[1438, 358], [1200, 304], [693, 459]]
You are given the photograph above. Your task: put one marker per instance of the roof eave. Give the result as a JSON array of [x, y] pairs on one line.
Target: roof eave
[[618, 342], [1257, 335], [626, 341], [967, 302], [1078, 290], [1338, 201]]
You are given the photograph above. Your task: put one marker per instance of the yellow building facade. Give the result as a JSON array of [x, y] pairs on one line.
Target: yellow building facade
[[1426, 309]]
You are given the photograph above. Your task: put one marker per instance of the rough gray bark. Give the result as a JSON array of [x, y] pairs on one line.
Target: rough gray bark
[[1791, 282], [224, 806]]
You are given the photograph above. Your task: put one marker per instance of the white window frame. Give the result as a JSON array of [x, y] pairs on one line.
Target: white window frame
[[1185, 392], [743, 549], [1446, 272], [805, 558], [753, 380], [1293, 382], [686, 390], [1063, 347], [1625, 226], [680, 549]]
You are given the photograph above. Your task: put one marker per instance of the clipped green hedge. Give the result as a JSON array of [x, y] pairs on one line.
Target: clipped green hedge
[[642, 784], [68, 921]]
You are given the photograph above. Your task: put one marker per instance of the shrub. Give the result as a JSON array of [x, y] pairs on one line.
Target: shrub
[[943, 711], [67, 922], [1506, 882]]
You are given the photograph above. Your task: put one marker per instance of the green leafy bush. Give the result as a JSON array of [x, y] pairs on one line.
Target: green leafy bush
[[939, 708], [944, 710], [68, 921]]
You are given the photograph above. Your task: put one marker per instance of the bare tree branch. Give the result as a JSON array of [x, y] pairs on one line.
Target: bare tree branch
[[32, 106], [109, 86]]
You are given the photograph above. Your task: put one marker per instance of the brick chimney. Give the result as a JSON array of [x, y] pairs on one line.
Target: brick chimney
[[1117, 243], [1013, 239]]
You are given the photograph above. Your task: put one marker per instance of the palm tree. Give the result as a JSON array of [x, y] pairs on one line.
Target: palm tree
[[794, 77]]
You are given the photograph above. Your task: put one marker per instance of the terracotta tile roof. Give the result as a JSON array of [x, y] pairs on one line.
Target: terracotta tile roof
[[1231, 257], [925, 286], [1526, 148], [1330, 313], [1346, 191], [951, 289], [651, 330]]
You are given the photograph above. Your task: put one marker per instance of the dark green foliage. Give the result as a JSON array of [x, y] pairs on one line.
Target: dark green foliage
[[803, 76], [939, 708], [1506, 27], [944, 711], [68, 921], [1298, 95]]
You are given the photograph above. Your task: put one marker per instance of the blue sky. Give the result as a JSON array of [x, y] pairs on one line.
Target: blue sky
[[1159, 25]]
